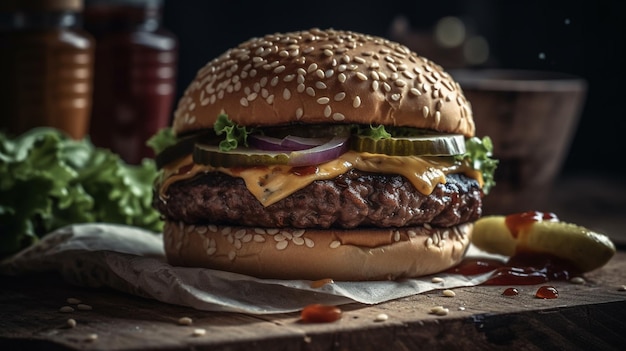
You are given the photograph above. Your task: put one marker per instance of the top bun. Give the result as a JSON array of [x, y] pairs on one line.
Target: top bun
[[324, 76]]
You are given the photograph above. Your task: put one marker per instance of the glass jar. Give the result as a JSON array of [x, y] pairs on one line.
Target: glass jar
[[46, 66], [135, 74]]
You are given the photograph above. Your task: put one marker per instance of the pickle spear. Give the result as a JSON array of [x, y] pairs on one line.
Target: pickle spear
[[587, 249], [429, 144]]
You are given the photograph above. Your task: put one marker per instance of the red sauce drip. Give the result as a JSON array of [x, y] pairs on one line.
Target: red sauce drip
[[304, 170], [518, 221], [520, 269], [547, 292], [318, 313], [510, 292]]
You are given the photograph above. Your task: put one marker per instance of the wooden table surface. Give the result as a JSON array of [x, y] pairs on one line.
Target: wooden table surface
[[589, 316]]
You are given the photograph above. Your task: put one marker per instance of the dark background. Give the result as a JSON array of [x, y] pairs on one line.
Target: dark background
[[585, 38]]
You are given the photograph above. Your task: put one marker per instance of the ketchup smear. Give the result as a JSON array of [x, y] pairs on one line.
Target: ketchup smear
[[523, 268]]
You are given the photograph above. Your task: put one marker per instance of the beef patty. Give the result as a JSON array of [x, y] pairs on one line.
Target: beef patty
[[354, 199]]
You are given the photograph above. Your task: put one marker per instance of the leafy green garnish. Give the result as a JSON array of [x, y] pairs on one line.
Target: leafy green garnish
[[235, 134], [163, 139], [48, 180], [478, 153], [376, 133]]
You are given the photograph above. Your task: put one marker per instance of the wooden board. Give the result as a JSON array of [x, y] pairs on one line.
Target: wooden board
[[585, 317]]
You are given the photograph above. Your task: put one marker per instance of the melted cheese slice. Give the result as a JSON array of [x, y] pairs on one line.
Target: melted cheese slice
[[270, 184]]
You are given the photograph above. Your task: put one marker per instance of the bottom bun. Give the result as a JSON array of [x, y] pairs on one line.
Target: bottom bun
[[315, 254]]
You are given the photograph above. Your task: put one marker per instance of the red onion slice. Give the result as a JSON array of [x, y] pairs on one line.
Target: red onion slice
[[330, 150]]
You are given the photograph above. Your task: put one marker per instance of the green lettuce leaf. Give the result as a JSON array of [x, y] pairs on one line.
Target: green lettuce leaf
[[163, 139], [234, 134], [479, 154], [48, 180]]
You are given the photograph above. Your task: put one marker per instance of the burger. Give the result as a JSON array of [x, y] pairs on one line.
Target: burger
[[322, 154]]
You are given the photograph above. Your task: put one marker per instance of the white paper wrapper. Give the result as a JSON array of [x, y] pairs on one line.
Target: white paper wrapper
[[133, 261]]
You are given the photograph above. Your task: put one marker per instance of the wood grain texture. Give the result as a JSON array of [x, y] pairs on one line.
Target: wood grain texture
[[588, 316]]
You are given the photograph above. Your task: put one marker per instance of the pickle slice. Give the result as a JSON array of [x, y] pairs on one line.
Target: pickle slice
[[429, 144], [240, 157], [183, 147]]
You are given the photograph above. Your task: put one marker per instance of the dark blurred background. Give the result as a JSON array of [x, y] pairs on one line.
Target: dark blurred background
[[584, 38]]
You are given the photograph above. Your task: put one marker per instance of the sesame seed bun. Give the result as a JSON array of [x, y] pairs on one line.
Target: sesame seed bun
[[215, 216], [315, 254], [324, 76]]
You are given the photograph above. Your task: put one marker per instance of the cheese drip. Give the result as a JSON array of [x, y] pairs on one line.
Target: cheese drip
[[270, 184]]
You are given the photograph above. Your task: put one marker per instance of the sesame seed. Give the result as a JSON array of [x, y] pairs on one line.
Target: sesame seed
[[312, 67], [392, 67], [356, 102], [448, 293], [91, 337], [415, 92], [243, 102], [252, 96], [329, 73], [327, 111], [283, 53], [335, 244], [342, 68], [359, 59], [199, 332], [320, 85], [338, 116], [395, 97], [270, 99], [309, 242], [328, 52], [185, 321], [425, 111], [323, 100], [383, 75], [71, 323], [84, 307], [386, 86], [300, 88], [439, 310], [381, 317], [301, 71], [340, 96], [319, 73], [375, 85], [400, 82], [281, 245], [577, 280], [310, 91], [286, 94], [374, 75], [437, 117], [437, 280], [288, 78], [361, 76], [232, 255], [66, 309], [73, 300], [341, 77]]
